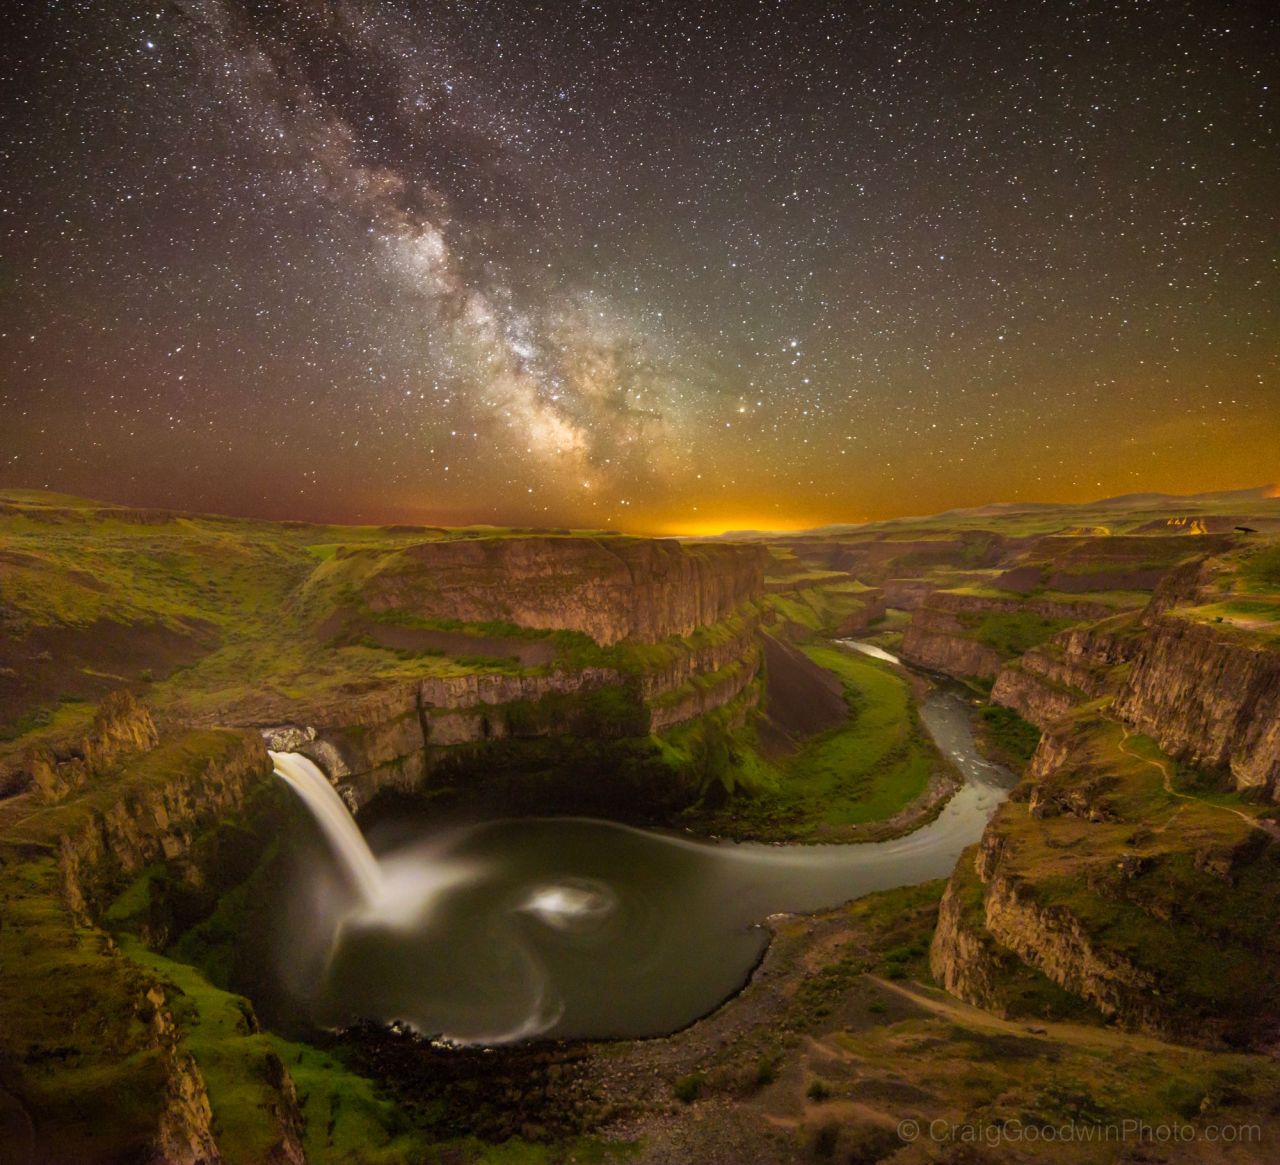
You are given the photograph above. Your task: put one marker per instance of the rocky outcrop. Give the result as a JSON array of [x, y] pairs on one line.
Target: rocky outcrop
[[184, 1130], [1046, 683], [945, 634], [963, 957], [1208, 698], [1155, 909], [154, 812], [608, 588], [115, 1031], [992, 927], [1055, 941], [936, 640], [121, 725], [1031, 686]]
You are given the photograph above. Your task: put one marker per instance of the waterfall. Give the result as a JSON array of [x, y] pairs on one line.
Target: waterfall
[[333, 817]]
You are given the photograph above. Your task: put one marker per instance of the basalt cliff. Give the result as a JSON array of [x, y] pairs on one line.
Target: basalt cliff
[[610, 589], [1136, 866]]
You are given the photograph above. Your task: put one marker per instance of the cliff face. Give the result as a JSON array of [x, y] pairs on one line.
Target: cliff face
[[1046, 683], [188, 784], [936, 640], [1155, 908], [1209, 699], [706, 692], [391, 736], [103, 1063], [609, 589], [958, 634], [121, 725]]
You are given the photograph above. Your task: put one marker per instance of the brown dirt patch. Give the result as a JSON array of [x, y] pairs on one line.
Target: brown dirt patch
[[801, 698]]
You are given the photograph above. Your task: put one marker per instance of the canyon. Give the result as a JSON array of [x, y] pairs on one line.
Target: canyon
[[1125, 658]]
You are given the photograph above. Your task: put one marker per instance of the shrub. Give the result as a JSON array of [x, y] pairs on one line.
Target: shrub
[[818, 1090], [1263, 567], [766, 1071], [688, 1088], [825, 1139]]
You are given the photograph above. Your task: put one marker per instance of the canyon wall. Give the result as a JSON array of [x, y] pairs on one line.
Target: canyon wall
[[1081, 880], [958, 634], [1209, 698], [937, 641], [390, 736], [103, 1065], [608, 588], [1046, 683], [173, 792], [972, 956], [678, 624]]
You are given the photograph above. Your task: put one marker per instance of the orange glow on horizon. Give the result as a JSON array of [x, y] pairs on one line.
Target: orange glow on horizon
[[715, 527]]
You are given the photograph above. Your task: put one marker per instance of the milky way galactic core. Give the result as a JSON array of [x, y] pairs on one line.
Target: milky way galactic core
[[665, 267]]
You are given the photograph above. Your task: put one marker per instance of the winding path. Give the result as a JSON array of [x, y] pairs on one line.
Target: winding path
[[1270, 828]]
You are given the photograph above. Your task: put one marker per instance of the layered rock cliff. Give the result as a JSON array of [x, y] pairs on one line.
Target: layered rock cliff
[[676, 630], [104, 1065], [1209, 697], [155, 810], [937, 641], [971, 636], [1148, 904], [608, 588], [392, 736]]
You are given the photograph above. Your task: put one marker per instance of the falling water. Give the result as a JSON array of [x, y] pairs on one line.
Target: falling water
[[335, 820], [509, 930]]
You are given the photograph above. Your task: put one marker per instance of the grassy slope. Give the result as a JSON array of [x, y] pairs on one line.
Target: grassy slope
[[344, 1117], [1200, 933], [864, 771], [842, 1037], [74, 1020], [77, 1007]]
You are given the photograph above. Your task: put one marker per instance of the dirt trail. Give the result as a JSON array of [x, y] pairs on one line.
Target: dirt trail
[[1271, 829], [1078, 1035]]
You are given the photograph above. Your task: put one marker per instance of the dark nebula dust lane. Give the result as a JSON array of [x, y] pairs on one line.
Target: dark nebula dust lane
[[662, 267]]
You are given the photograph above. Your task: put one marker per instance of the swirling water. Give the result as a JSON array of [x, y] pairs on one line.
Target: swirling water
[[575, 927]]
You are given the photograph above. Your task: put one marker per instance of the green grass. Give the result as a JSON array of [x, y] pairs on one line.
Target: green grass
[[876, 764], [1262, 567], [345, 1119], [73, 1014], [1013, 633], [1195, 903], [821, 610], [864, 771], [1008, 734]]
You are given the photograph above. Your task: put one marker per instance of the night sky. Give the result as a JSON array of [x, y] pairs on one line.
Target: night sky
[[670, 268]]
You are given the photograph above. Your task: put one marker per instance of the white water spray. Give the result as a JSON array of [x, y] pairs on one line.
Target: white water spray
[[334, 818]]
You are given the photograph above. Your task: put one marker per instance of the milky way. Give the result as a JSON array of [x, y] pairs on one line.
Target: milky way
[[660, 267]]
